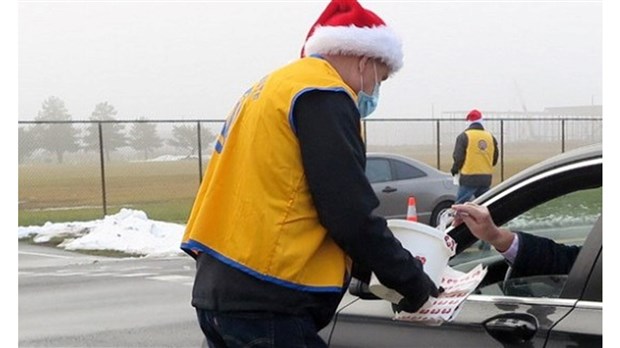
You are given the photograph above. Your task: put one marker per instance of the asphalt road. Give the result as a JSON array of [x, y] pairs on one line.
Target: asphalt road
[[69, 299]]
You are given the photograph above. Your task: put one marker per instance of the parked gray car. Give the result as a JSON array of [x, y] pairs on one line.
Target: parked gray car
[[560, 199], [395, 178]]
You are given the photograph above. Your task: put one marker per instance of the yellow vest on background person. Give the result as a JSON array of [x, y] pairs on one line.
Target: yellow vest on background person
[[479, 152], [254, 210]]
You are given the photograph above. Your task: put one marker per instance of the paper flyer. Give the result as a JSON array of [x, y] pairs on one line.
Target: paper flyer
[[457, 286]]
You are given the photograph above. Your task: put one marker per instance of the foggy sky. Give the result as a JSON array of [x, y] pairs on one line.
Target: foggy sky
[[185, 60]]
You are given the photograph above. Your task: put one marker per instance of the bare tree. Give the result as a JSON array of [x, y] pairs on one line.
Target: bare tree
[[26, 144], [57, 138], [143, 137], [185, 137], [113, 137]]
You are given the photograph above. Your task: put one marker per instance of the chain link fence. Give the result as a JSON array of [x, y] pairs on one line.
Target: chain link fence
[[85, 170]]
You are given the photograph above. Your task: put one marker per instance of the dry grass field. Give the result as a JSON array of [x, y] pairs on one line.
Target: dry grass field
[[72, 192]]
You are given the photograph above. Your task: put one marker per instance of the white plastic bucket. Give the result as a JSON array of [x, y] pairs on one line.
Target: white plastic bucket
[[431, 246]]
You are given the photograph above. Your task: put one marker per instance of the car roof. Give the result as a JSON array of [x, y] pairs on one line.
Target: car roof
[[402, 158], [572, 156]]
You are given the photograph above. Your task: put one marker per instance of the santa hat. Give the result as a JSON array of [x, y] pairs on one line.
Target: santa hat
[[346, 28], [474, 116]]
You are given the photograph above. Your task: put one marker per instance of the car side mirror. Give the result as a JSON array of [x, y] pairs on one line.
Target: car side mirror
[[360, 289]]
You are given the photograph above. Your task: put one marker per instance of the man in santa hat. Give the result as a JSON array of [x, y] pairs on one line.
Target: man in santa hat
[[475, 154], [285, 208]]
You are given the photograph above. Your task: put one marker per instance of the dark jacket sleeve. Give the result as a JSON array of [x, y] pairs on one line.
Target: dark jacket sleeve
[[538, 256], [334, 157], [458, 155]]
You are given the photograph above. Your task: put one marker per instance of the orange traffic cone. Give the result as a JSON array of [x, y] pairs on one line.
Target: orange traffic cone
[[412, 213]]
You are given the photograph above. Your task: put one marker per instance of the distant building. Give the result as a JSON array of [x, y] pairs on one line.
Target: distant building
[[575, 111]]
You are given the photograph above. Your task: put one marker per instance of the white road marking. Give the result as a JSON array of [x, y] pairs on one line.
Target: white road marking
[[47, 255], [146, 272], [172, 278], [180, 279], [129, 275], [102, 274]]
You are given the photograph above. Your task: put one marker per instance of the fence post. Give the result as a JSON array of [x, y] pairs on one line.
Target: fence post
[[563, 135], [102, 161], [502, 149], [438, 146], [199, 152]]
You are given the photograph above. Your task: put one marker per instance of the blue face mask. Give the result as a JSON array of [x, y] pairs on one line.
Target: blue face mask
[[366, 103]]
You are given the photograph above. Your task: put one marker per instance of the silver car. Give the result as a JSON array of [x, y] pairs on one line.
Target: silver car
[[395, 178]]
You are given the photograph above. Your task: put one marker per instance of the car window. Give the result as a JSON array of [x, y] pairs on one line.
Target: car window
[[378, 170], [567, 219], [405, 171]]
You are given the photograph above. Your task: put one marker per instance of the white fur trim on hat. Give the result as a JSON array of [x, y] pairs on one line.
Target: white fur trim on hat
[[379, 42]]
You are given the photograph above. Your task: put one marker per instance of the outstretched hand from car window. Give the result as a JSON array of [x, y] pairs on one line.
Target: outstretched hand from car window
[[481, 225]]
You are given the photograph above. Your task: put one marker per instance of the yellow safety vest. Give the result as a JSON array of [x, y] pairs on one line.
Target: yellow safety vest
[[479, 152], [254, 210]]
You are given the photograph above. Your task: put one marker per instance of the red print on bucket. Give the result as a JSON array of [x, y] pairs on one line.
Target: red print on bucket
[[450, 243]]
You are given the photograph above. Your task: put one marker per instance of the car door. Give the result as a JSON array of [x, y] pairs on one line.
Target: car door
[[582, 327], [388, 189], [515, 311], [394, 182]]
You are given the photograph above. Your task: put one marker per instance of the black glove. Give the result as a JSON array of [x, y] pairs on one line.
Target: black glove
[[412, 304]]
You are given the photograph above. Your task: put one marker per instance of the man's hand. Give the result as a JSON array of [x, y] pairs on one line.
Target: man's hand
[[412, 304], [481, 225]]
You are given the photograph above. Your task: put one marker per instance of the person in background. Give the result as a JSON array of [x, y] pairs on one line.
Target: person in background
[[528, 255], [475, 154], [285, 208]]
